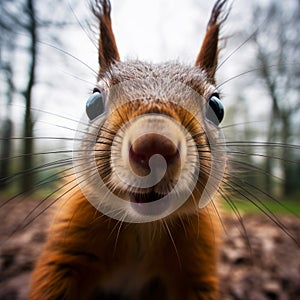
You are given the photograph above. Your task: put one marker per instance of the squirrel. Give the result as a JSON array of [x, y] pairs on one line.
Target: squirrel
[[139, 221]]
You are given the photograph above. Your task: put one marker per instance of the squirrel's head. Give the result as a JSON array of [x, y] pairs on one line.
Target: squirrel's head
[[153, 143]]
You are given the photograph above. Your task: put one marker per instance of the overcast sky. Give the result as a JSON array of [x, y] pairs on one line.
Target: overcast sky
[[160, 30], [155, 31]]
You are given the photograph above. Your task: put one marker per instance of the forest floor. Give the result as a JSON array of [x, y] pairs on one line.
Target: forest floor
[[267, 269]]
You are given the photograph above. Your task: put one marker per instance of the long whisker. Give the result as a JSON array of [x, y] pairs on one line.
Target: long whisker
[[249, 196], [236, 212], [71, 182], [87, 33], [69, 55]]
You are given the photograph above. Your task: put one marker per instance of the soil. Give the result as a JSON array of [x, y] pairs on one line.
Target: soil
[[262, 264]]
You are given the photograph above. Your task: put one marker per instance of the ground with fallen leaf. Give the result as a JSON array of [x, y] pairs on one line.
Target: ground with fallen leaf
[[262, 264]]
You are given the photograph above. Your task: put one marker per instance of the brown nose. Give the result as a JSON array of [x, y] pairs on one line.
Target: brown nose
[[144, 147]]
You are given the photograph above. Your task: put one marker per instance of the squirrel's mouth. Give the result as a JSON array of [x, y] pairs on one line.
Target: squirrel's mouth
[[148, 204], [145, 197]]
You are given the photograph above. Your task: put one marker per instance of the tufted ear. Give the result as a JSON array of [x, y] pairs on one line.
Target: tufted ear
[[107, 50], [207, 58]]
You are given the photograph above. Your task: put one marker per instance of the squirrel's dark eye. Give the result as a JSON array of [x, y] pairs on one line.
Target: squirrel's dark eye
[[215, 110], [95, 105]]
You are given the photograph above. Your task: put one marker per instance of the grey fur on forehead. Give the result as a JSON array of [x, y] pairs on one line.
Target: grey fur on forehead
[[172, 72]]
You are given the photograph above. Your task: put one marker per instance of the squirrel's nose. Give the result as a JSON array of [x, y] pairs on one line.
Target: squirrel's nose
[[147, 145]]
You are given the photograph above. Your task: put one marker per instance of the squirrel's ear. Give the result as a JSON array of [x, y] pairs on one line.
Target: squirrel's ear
[[108, 52], [207, 58]]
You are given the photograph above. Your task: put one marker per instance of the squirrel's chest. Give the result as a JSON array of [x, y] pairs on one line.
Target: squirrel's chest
[[139, 275], [132, 283], [139, 278]]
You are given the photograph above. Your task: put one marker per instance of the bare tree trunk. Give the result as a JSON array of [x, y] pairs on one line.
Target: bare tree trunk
[[277, 51], [27, 180], [5, 152], [288, 169], [268, 170], [7, 125], [271, 137], [274, 119]]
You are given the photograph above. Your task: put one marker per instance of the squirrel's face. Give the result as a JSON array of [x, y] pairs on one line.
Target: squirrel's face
[[151, 148], [153, 140]]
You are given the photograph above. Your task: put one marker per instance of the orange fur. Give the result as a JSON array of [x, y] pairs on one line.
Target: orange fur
[[85, 249], [88, 254]]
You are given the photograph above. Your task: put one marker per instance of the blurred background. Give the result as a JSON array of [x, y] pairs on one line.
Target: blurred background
[[48, 68], [48, 60]]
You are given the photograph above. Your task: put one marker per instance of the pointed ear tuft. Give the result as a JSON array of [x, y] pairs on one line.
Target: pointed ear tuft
[[207, 58], [107, 51]]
